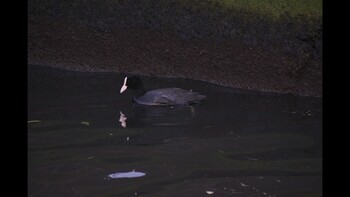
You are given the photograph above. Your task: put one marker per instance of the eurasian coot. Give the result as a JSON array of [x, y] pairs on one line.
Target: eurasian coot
[[166, 96]]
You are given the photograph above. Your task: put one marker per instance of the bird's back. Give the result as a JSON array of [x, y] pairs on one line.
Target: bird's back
[[169, 96]]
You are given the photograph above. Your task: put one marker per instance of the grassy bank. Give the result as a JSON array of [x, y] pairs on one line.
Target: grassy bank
[[272, 9]]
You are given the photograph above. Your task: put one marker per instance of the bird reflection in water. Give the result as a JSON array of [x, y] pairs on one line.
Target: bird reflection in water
[[122, 119], [158, 116]]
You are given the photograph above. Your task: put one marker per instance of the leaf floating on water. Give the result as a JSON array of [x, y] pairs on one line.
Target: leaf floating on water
[[85, 123], [132, 174], [33, 121], [209, 192]]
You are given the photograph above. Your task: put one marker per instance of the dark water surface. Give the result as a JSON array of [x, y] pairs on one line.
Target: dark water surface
[[235, 143]]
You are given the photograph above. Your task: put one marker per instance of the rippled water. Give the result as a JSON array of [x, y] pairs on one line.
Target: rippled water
[[81, 130]]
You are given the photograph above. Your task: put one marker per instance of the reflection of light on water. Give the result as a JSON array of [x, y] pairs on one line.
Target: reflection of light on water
[[122, 119], [132, 174], [193, 111], [33, 121]]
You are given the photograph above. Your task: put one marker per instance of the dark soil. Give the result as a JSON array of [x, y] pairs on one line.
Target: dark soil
[[81, 44]]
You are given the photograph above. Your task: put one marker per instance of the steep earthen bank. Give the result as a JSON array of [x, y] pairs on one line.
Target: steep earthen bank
[[162, 41]]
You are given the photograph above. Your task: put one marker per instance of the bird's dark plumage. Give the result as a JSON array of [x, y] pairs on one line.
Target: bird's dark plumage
[[166, 96]]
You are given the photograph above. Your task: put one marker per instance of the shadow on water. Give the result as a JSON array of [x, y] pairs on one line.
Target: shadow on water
[[81, 130]]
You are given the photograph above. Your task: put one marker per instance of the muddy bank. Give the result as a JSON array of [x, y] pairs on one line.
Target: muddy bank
[[170, 40]]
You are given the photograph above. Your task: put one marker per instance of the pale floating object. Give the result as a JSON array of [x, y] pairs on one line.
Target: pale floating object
[[244, 185], [85, 123], [209, 192], [132, 174], [33, 121]]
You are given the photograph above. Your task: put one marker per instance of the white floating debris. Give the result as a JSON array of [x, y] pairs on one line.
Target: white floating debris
[[132, 174], [278, 181], [209, 192], [127, 138], [244, 185], [85, 123], [33, 121]]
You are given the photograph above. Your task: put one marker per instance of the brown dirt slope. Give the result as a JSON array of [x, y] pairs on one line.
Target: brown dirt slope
[[74, 45]]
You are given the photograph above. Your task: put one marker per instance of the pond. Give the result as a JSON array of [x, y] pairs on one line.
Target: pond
[[87, 139]]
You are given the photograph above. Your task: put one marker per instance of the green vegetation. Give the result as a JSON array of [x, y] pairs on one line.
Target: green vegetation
[[272, 9]]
